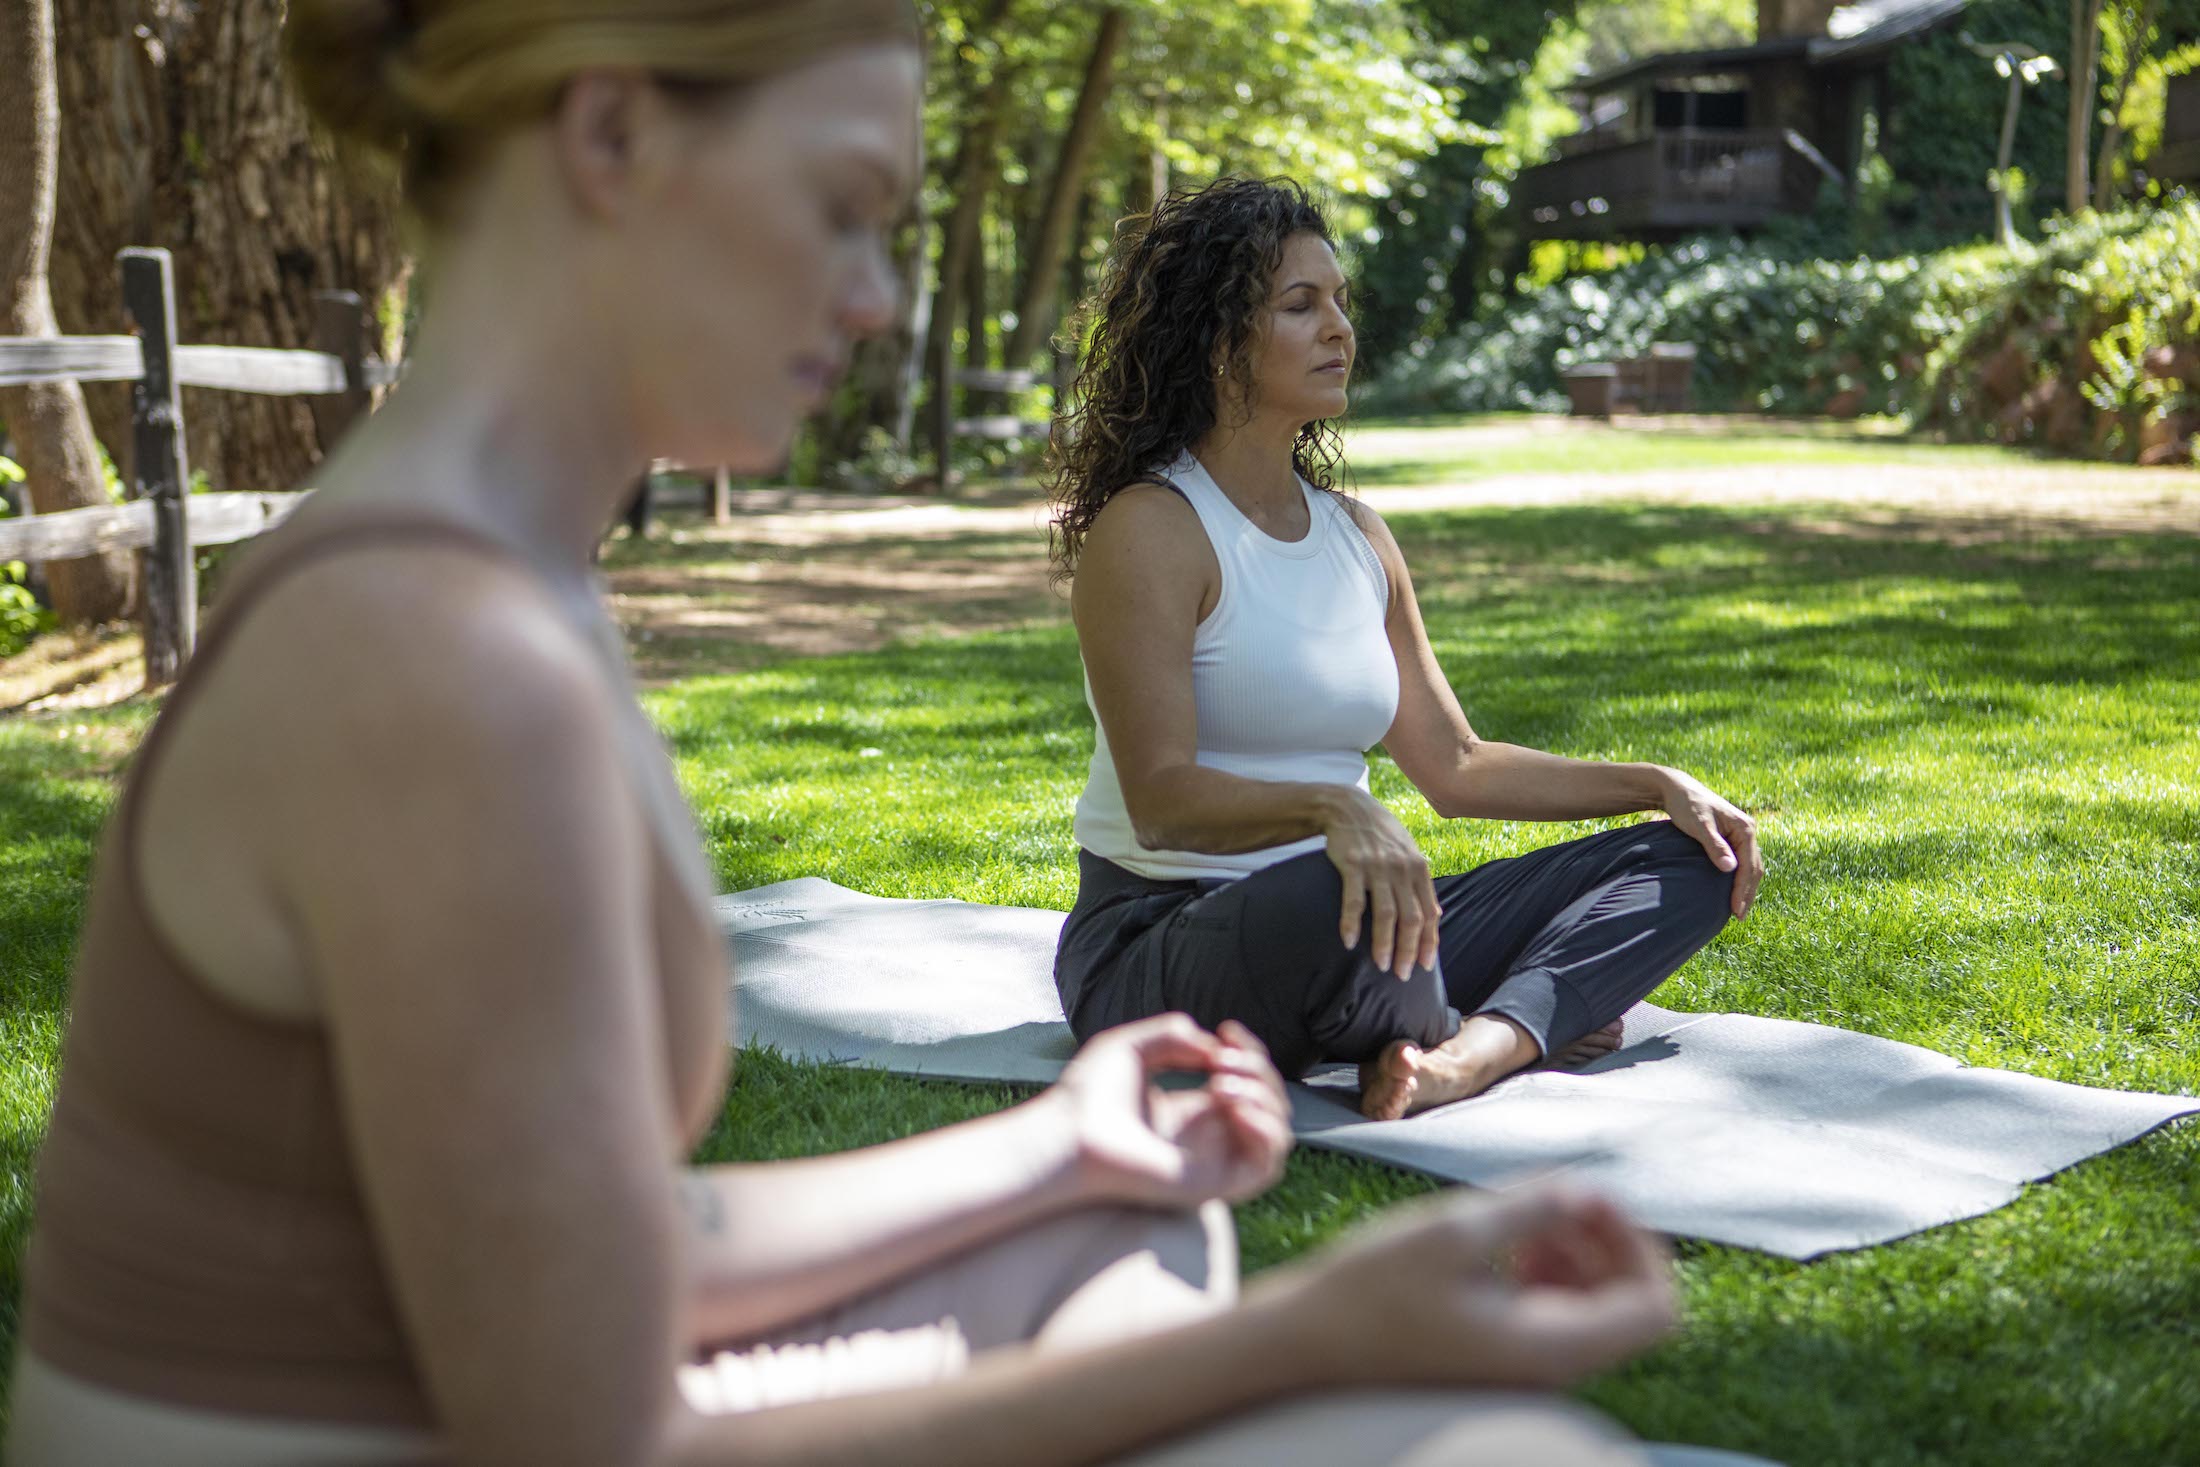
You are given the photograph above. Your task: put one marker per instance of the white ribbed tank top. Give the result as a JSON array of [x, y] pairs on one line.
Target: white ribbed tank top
[[1293, 679]]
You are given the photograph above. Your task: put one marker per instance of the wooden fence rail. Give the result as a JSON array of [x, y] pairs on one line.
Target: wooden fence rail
[[161, 517], [215, 519], [271, 370]]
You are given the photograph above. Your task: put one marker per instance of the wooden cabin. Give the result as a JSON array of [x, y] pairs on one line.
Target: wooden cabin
[[1726, 138], [2178, 158]]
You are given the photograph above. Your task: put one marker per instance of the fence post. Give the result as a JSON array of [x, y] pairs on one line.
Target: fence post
[[943, 406], [721, 495], [158, 472], [340, 331]]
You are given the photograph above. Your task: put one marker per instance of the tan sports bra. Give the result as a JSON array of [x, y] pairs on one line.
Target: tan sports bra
[[200, 1235]]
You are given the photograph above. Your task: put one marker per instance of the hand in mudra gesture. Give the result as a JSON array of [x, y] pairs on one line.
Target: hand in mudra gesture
[[1538, 1288], [1138, 1142]]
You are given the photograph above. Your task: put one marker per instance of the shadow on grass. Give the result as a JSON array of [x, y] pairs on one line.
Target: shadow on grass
[[1974, 764]]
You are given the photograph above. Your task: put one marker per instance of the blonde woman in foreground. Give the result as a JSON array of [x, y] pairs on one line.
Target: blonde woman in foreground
[[399, 1003]]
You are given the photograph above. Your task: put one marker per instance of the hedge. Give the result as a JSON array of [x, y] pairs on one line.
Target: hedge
[[2087, 342]]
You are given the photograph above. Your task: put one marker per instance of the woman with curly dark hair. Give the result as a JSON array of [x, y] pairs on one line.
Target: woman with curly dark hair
[[1249, 632]]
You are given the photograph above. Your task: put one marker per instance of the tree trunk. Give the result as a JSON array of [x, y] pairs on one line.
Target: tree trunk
[[53, 436], [1035, 312], [977, 305], [970, 186], [186, 133], [878, 373], [2085, 58], [1073, 294]]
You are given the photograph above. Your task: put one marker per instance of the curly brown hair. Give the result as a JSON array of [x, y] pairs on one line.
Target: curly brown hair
[[1183, 285]]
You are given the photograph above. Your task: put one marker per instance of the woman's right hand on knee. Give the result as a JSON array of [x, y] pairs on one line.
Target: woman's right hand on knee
[[1386, 882], [1539, 1288]]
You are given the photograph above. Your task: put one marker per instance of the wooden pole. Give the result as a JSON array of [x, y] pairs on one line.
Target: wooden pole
[[340, 330], [2005, 228], [158, 472], [943, 403], [721, 495], [1157, 160]]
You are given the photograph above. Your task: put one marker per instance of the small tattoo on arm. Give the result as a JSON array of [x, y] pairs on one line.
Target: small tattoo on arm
[[705, 1208]]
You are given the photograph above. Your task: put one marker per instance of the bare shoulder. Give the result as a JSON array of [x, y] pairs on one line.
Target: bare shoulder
[[380, 720], [1370, 524], [1147, 524], [1141, 512], [435, 641], [1147, 541]]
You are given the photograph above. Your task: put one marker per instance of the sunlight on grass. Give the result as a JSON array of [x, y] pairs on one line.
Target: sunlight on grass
[[1400, 453], [1983, 815], [1976, 774]]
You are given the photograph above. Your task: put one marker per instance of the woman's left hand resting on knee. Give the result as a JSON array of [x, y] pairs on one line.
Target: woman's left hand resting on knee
[[1463, 775]]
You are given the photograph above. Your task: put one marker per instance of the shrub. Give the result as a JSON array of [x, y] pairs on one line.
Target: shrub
[[2088, 342], [21, 617]]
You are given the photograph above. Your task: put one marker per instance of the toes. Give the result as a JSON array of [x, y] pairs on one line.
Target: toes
[[1388, 1083]]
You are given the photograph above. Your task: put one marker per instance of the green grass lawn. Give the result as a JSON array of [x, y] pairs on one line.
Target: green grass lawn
[[1978, 770], [1399, 452]]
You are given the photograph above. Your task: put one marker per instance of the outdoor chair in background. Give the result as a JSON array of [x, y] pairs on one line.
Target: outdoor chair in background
[[1000, 427], [1660, 381]]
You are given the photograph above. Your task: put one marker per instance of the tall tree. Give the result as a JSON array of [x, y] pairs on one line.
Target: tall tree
[[879, 383], [972, 173], [53, 436], [1046, 252], [185, 132], [2084, 71]]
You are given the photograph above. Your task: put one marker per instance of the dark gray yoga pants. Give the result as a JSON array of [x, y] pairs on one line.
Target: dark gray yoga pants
[[1562, 941]]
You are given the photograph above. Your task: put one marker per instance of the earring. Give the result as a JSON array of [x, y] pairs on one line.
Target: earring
[[1221, 371]]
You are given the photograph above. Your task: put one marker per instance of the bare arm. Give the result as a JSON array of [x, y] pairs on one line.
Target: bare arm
[[483, 953], [1145, 579], [1463, 775], [484, 960], [779, 1241], [470, 879], [1535, 1288]]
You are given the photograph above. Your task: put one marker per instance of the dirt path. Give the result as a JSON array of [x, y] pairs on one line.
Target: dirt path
[[801, 573], [812, 573]]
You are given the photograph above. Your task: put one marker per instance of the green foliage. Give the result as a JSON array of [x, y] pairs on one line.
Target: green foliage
[[21, 617], [1445, 241], [2105, 301], [2108, 308], [1418, 261], [1342, 94], [1942, 131]]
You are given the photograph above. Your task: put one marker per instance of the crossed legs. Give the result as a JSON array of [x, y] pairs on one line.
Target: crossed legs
[[1539, 955]]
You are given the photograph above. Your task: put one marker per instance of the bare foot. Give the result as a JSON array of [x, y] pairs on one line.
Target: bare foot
[[1388, 1082], [1589, 1047], [1406, 1079]]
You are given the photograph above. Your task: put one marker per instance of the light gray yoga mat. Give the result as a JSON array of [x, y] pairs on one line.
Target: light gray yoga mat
[[1795, 1139]]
